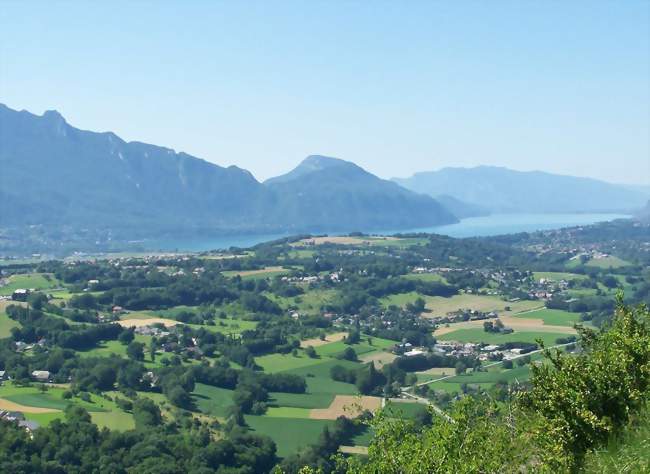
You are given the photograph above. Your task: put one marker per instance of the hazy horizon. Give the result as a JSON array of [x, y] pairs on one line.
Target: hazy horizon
[[560, 88]]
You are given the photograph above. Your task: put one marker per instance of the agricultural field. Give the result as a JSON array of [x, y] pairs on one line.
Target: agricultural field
[[557, 276], [267, 272], [607, 262], [479, 335], [45, 406], [438, 305], [5, 322], [370, 241], [309, 302], [230, 353], [485, 380], [426, 277], [290, 434], [551, 317], [37, 281]]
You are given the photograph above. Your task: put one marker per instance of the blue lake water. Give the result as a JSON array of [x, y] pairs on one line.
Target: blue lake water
[[495, 224]]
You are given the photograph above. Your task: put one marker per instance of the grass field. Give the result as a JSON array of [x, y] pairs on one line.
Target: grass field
[[426, 277], [290, 434], [301, 400], [104, 413], [608, 262], [287, 412], [282, 362], [406, 410], [439, 306], [335, 348], [479, 335], [38, 281], [212, 400], [482, 379], [557, 276], [308, 303], [267, 272], [370, 241], [553, 317], [319, 380], [108, 348], [6, 323]]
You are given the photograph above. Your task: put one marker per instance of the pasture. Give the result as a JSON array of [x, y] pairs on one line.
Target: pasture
[[265, 272], [426, 277], [290, 434], [482, 379], [479, 335], [37, 281], [6, 323], [440, 306], [552, 317], [46, 406], [211, 400], [608, 262], [557, 276]]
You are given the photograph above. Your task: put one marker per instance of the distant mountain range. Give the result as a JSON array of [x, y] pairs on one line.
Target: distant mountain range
[[54, 174], [501, 190]]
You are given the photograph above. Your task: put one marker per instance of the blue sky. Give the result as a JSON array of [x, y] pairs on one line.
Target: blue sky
[[396, 87]]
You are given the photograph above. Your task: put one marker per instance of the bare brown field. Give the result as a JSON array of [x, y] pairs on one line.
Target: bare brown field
[[127, 323], [315, 342], [346, 405], [354, 450], [12, 406], [379, 358]]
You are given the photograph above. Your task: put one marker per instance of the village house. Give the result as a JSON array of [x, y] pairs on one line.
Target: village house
[[20, 294], [41, 375]]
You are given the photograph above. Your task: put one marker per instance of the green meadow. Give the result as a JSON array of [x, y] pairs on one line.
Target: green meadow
[[552, 317], [439, 305], [290, 434], [557, 276], [6, 324], [38, 281], [104, 413], [479, 335], [212, 400]]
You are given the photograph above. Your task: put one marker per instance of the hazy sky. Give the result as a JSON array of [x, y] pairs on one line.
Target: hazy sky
[[396, 87]]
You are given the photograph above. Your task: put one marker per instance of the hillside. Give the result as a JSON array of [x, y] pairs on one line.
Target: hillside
[[461, 209], [323, 193], [54, 174], [502, 190]]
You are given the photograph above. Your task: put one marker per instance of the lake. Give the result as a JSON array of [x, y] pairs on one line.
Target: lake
[[495, 224]]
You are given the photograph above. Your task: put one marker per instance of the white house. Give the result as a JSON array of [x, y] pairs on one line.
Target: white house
[[41, 375]]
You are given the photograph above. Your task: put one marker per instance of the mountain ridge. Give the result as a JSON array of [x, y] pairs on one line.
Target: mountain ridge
[[56, 174], [502, 190]]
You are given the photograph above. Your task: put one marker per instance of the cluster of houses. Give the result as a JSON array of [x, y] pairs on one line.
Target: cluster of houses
[[482, 352], [19, 418], [334, 277], [43, 376], [464, 315], [22, 346]]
